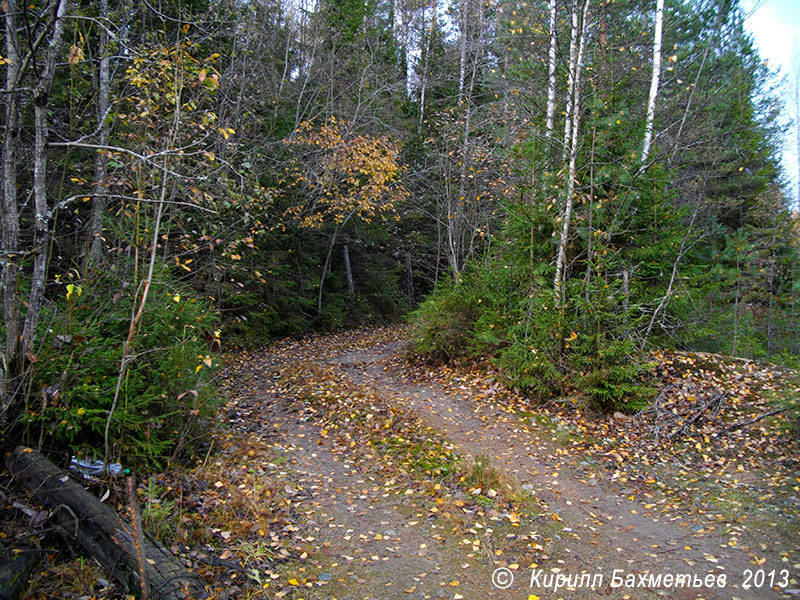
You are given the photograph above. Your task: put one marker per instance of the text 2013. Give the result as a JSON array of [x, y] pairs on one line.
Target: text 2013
[[761, 578]]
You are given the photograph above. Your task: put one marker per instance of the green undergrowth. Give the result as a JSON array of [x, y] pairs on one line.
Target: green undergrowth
[[544, 352], [164, 400]]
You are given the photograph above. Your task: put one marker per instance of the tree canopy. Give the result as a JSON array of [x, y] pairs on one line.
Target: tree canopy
[[559, 185]]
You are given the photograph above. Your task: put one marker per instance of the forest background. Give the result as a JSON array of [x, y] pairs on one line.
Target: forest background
[[559, 186]]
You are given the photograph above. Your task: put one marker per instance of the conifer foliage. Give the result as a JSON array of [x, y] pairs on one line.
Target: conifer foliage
[[563, 184]]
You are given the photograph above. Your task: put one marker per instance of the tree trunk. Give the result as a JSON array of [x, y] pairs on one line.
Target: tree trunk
[[426, 59], [9, 242], [41, 233], [462, 50], [734, 345], [551, 77], [458, 255], [400, 30], [626, 292], [651, 103], [100, 531], [590, 236], [328, 260], [409, 279], [16, 567], [101, 160], [573, 116], [348, 271], [573, 57]]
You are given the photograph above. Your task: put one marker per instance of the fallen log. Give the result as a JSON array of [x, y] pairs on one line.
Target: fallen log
[[16, 567], [100, 531]]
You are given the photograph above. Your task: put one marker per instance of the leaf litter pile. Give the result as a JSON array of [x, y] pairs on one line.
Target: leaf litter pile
[[721, 432], [342, 470]]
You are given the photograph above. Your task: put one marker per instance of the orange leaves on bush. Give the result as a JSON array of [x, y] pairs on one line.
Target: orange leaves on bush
[[348, 175]]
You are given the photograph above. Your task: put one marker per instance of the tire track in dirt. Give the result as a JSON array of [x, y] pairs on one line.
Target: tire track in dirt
[[604, 529], [368, 540], [368, 536]]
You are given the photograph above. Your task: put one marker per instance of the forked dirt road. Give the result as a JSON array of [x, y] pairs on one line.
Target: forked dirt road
[[375, 535]]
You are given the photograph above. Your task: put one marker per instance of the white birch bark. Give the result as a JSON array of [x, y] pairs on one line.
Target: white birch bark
[[574, 97], [651, 103], [551, 75], [457, 225], [426, 60], [462, 44], [573, 57]]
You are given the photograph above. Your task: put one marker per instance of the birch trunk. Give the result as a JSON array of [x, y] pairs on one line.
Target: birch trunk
[[573, 57], [455, 222], [462, 49], [574, 95], [426, 59], [651, 103], [551, 76], [348, 271]]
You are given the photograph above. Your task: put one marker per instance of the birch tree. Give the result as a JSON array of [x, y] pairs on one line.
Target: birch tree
[[573, 118], [551, 74], [425, 49], [651, 102], [571, 73]]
